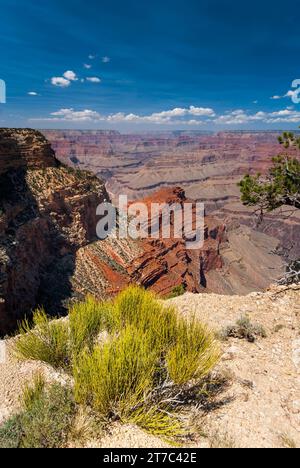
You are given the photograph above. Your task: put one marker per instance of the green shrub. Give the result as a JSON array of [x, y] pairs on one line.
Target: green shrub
[[85, 319], [11, 433], [45, 422], [116, 375], [129, 357], [141, 309], [177, 291], [32, 393], [157, 421], [194, 353], [48, 341]]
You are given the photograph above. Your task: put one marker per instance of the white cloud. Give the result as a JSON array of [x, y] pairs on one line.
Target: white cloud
[[239, 117], [201, 111], [170, 117], [32, 93], [70, 75], [60, 81], [180, 116], [87, 66], [105, 59], [94, 79], [92, 57], [289, 94], [71, 115]]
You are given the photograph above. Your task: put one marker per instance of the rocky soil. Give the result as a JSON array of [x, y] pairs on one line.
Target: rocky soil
[[260, 407]]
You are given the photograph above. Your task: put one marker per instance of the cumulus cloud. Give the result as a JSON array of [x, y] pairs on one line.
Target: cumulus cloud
[[70, 75], [65, 80], [87, 66], [60, 81], [105, 59], [192, 116], [201, 111], [92, 57], [240, 117], [93, 79], [170, 117], [32, 93], [71, 115]]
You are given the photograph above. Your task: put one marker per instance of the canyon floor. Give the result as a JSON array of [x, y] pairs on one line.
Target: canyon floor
[[260, 406]]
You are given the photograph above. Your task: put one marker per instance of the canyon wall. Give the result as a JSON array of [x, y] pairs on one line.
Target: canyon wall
[[207, 166]]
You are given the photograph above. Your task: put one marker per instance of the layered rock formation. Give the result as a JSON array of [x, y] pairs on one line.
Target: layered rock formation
[[227, 262], [207, 166], [47, 216]]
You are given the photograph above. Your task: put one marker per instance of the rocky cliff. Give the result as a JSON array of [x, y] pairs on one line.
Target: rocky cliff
[[47, 213]]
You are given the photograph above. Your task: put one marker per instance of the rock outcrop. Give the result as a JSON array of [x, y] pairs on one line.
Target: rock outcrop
[[225, 264], [47, 213]]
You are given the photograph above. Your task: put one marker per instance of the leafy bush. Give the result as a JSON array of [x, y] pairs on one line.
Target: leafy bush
[[45, 422], [48, 341], [281, 186]]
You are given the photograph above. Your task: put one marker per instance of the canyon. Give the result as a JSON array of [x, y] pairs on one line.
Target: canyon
[[49, 252], [207, 166]]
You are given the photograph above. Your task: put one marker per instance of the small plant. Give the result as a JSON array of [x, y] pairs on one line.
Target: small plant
[[32, 393], [46, 420], [287, 441], [244, 329], [222, 441], [177, 291], [48, 341]]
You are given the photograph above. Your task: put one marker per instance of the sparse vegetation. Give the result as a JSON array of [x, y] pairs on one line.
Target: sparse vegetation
[[47, 341], [177, 291], [132, 359], [45, 421], [244, 329], [287, 441]]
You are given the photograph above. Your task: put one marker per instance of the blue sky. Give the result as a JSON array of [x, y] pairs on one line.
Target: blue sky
[[138, 65]]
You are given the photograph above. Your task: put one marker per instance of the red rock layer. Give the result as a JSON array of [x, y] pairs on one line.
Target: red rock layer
[[167, 263]]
